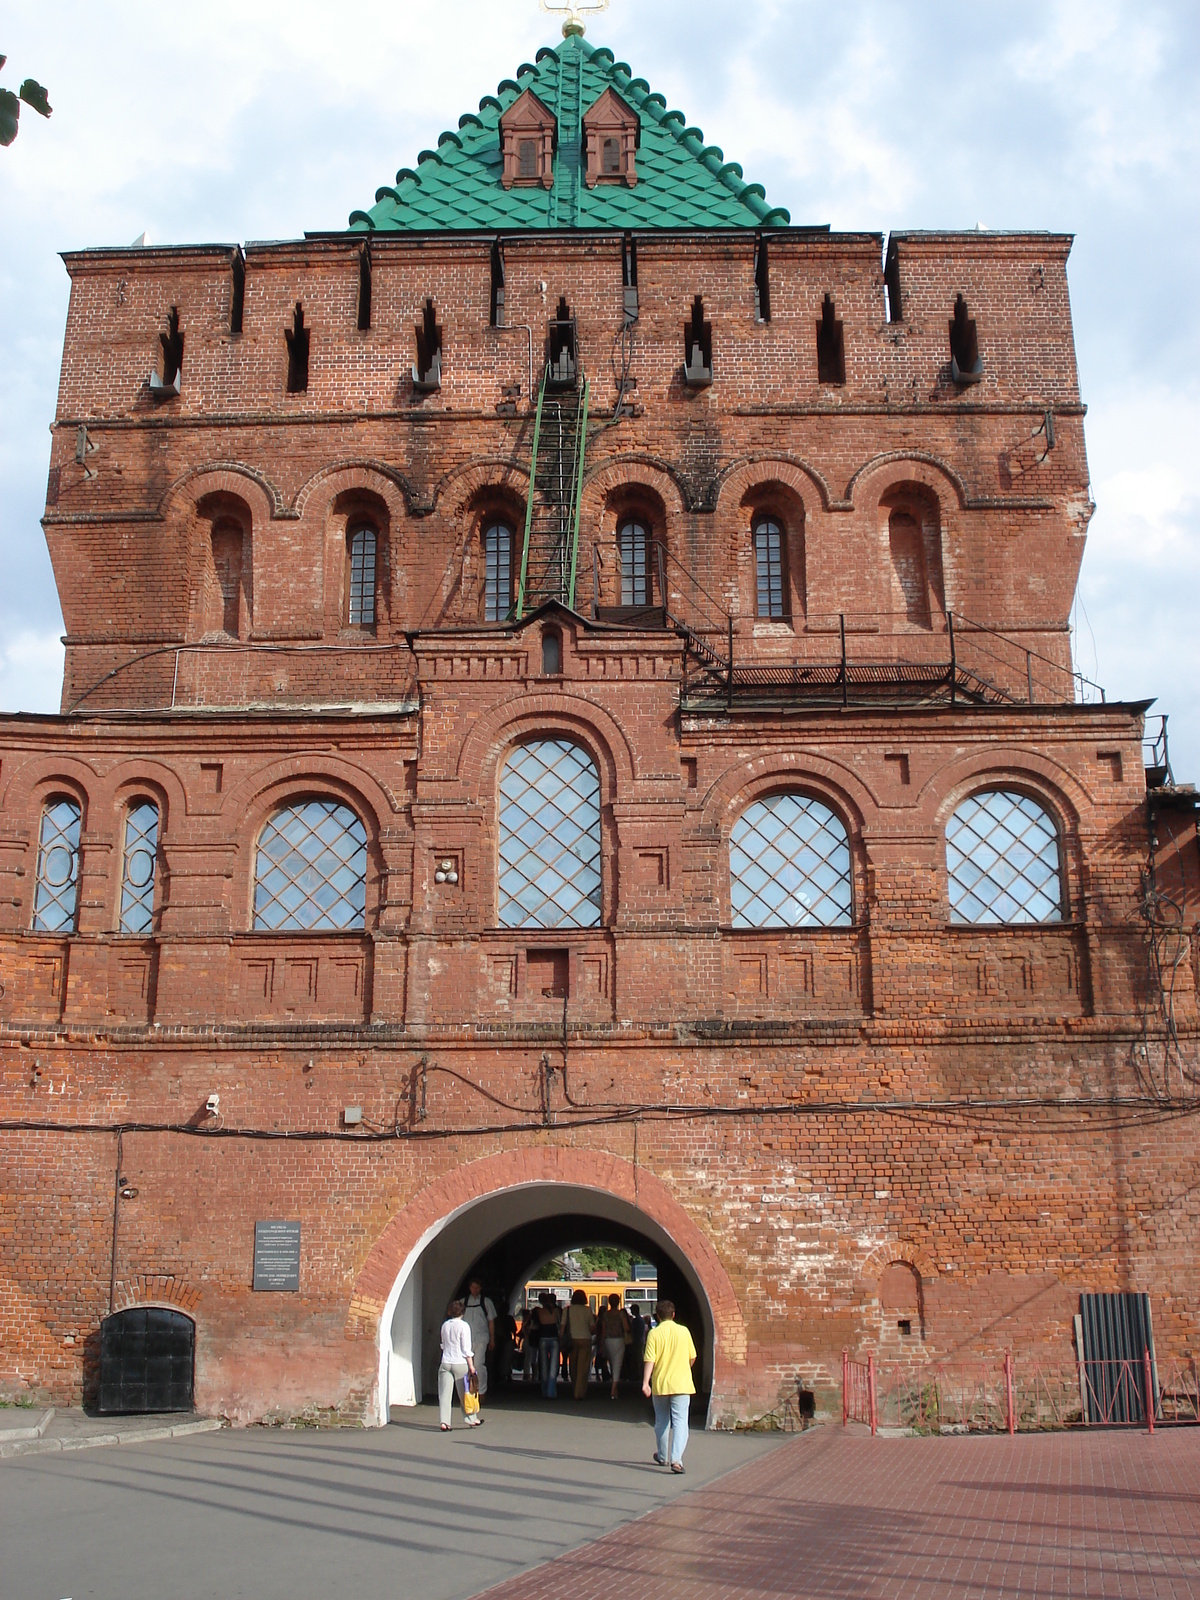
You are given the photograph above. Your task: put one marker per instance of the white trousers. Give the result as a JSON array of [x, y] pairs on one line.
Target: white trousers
[[451, 1376]]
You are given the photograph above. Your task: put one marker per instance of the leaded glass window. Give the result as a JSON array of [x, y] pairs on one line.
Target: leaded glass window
[[635, 570], [768, 568], [57, 890], [497, 572], [550, 837], [789, 865], [361, 608], [137, 868], [1003, 860], [311, 871]]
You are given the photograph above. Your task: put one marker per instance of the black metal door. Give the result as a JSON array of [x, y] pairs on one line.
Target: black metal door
[[147, 1360], [1117, 1335]]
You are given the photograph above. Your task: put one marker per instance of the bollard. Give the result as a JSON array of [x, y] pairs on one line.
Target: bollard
[[1149, 1375], [1008, 1392]]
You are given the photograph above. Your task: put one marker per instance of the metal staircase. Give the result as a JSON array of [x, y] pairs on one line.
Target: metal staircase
[[550, 553]]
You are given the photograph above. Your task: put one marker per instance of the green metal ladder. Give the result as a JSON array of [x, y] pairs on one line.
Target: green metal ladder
[[550, 552]]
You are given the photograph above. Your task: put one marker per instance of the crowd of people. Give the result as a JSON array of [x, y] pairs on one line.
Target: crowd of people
[[570, 1343]]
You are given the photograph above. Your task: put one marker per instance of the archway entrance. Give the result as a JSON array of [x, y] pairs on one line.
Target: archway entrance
[[503, 1237]]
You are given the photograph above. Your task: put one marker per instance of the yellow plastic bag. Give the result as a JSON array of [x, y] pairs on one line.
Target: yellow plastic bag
[[470, 1399]]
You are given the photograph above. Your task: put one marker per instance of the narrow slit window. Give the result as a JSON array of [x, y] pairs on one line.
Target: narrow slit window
[[172, 349], [633, 545], [237, 302], [527, 158], [831, 345], [610, 158], [361, 607], [497, 572], [364, 289], [762, 283], [297, 337], [427, 374], [697, 345], [57, 889], [497, 310], [966, 365], [768, 568], [139, 867], [891, 280]]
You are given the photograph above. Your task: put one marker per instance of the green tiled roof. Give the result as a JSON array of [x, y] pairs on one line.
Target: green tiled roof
[[682, 183]]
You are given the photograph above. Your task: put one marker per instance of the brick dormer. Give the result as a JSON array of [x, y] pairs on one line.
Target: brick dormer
[[611, 131], [528, 134]]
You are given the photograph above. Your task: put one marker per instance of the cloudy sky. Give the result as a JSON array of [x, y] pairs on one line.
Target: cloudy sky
[[262, 118]]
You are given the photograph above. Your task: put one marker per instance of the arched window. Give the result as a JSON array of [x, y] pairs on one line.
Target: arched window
[[551, 653], [230, 604], [789, 865], [57, 891], [1003, 860], [138, 865], [311, 869], [633, 545], [360, 589], [768, 569], [550, 837], [910, 576], [497, 572]]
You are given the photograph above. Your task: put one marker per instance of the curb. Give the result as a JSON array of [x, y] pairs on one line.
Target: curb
[[17, 1435], [39, 1446]]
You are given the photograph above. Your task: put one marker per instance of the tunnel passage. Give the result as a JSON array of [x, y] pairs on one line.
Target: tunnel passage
[[502, 1238]]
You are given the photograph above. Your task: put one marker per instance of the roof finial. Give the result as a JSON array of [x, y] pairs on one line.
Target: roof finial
[[574, 13]]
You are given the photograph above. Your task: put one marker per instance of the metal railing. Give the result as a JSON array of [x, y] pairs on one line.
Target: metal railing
[[1000, 1395]]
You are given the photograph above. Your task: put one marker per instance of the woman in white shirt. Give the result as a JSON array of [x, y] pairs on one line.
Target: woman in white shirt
[[457, 1361]]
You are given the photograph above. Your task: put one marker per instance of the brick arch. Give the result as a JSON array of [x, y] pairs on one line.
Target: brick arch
[[156, 1289], [579, 1168], [462, 485], [229, 477], [749, 472], [270, 783], [915, 467], [912, 1255], [635, 470], [38, 778], [391, 486], [131, 776], [767, 774], [528, 713], [1047, 781]]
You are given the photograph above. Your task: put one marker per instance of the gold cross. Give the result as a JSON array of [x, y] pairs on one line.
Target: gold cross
[[574, 13]]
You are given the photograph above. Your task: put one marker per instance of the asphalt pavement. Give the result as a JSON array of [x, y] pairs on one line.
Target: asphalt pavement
[[312, 1515]]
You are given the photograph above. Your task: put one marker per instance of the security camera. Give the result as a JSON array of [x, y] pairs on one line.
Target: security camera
[[213, 1104]]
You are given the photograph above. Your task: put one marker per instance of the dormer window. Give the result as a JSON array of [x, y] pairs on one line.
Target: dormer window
[[611, 131], [528, 133]]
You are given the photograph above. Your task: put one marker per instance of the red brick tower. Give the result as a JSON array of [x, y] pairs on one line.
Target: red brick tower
[[569, 730]]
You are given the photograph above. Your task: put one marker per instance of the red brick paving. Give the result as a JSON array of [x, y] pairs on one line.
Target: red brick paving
[[1081, 1515]]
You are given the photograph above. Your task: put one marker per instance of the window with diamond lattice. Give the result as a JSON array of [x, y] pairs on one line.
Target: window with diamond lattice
[[1003, 860], [550, 837], [137, 872], [57, 890], [789, 865], [311, 871]]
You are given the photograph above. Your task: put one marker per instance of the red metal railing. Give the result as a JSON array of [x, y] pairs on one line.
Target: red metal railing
[[999, 1395]]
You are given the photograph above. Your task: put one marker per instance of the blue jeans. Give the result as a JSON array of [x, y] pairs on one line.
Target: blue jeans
[[671, 1411], [548, 1356]]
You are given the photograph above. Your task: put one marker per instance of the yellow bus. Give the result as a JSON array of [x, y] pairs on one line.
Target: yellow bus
[[642, 1292]]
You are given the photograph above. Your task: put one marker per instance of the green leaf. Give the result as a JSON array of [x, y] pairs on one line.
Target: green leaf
[[10, 111], [34, 95]]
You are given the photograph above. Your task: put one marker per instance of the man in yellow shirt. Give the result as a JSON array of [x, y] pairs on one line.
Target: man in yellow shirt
[[667, 1380]]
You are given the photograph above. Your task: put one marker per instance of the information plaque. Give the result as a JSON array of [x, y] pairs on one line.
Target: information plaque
[[277, 1255]]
